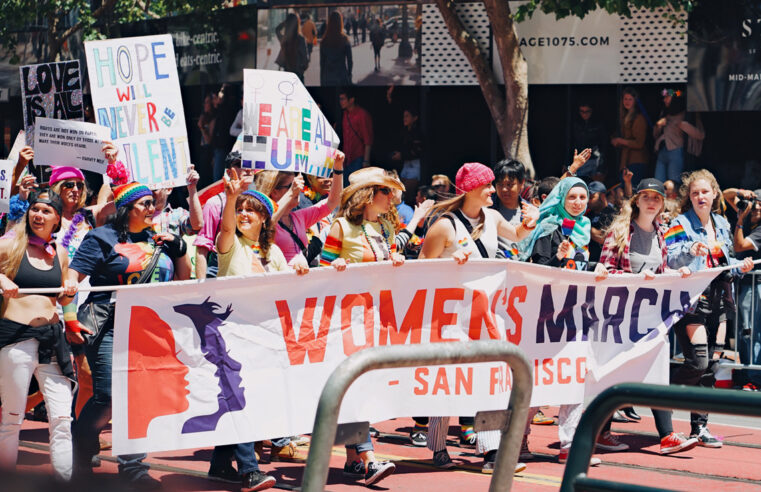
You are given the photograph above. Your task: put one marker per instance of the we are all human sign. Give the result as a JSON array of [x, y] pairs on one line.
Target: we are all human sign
[[136, 93]]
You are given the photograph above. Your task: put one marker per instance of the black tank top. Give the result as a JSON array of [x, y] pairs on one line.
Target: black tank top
[[29, 277]]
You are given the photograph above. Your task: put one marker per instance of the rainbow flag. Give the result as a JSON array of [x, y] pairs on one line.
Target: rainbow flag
[[462, 242], [512, 253], [675, 235]]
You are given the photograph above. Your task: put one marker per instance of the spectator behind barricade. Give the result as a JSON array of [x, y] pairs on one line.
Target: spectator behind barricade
[[600, 214], [123, 251], [206, 258], [206, 124], [336, 62], [179, 221], [468, 226], [356, 133], [632, 136], [31, 337], [284, 188], [588, 132], [425, 193], [221, 140], [672, 193], [309, 31], [407, 220], [672, 133], [635, 243], [550, 245], [543, 188], [442, 185], [700, 238], [747, 239], [293, 56], [361, 234], [377, 39], [406, 158]]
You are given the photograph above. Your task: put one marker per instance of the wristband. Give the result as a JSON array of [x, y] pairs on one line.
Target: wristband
[[338, 172], [70, 319]]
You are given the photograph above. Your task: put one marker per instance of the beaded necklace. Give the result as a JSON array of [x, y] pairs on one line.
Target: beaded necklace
[[370, 243]]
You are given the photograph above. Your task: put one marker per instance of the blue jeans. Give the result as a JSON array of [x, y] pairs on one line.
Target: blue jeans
[[244, 456], [354, 165], [362, 447], [219, 163], [749, 345], [97, 412], [669, 165]]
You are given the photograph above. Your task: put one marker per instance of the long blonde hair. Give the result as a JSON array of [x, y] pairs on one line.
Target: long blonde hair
[[718, 203], [622, 223], [9, 264], [452, 204], [266, 181], [82, 196]]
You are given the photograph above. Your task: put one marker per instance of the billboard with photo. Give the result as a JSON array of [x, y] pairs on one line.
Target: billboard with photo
[[342, 44]]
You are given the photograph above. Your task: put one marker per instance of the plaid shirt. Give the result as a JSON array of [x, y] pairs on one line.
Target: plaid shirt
[[617, 262]]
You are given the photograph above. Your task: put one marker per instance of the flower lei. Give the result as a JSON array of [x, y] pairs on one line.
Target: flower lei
[[313, 196], [75, 221], [118, 173]]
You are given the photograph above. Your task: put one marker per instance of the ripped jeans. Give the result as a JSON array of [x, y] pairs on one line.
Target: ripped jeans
[[18, 362]]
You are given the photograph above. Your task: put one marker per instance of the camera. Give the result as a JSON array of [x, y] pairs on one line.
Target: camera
[[743, 203]]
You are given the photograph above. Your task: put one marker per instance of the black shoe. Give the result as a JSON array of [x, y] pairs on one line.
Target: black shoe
[[619, 417], [95, 462], [378, 470], [354, 470], [228, 474], [631, 414], [145, 482], [256, 480]]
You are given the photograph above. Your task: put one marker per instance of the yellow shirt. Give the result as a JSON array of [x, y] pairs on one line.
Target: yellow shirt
[[239, 259]]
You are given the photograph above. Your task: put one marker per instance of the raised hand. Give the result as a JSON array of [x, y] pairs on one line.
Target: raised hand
[[110, 151]]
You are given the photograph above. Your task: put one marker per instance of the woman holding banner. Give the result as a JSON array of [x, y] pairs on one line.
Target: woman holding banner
[[291, 229], [124, 251], [700, 238], [636, 244], [468, 226], [31, 337], [361, 233], [560, 240]]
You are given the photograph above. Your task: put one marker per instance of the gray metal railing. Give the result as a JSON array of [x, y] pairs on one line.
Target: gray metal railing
[[326, 419], [649, 395]]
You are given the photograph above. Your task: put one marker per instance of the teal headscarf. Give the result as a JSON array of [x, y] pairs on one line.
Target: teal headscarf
[[551, 215]]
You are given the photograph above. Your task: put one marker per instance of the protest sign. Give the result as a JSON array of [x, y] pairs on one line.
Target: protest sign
[[70, 143], [51, 90], [283, 128], [209, 353], [18, 144], [6, 179], [136, 93]]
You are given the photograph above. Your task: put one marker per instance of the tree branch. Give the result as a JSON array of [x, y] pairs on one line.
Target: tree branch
[[145, 7], [476, 57], [97, 13]]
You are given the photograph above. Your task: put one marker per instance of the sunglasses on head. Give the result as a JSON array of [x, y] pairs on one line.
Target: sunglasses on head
[[384, 189], [71, 184]]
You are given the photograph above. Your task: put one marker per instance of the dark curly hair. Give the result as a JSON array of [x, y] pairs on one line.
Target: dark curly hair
[[120, 220], [267, 233]]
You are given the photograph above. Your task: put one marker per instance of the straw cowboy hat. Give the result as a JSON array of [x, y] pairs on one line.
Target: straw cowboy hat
[[369, 176]]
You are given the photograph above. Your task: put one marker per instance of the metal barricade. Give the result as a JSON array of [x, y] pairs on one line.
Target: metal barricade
[[649, 395], [326, 419]]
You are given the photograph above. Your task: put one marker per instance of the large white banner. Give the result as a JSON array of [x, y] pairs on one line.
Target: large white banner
[[283, 127], [242, 359], [136, 93]]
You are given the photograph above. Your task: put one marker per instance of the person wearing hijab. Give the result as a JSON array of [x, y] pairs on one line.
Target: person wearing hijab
[[560, 240]]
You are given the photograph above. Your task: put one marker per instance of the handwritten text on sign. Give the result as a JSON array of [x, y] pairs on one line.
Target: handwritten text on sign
[[136, 93], [283, 128], [51, 90], [211, 351]]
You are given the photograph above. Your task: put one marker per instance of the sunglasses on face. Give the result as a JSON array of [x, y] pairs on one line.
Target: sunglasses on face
[[146, 203], [72, 184], [385, 190]]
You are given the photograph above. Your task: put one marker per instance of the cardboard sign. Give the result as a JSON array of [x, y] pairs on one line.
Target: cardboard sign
[[6, 178], [51, 90], [136, 93], [18, 144], [70, 143], [283, 128], [213, 352]]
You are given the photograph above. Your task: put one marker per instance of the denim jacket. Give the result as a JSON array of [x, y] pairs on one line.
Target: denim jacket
[[679, 251]]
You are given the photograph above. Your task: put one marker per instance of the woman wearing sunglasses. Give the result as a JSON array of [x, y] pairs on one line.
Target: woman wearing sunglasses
[[292, 226], [361, 233], [467, 226], [123, 251]]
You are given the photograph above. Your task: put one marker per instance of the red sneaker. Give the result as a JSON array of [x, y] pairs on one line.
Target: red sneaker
[[675, 443], [563, 457]]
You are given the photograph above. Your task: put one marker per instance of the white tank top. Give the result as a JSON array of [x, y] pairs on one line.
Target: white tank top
[[463, 240]]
